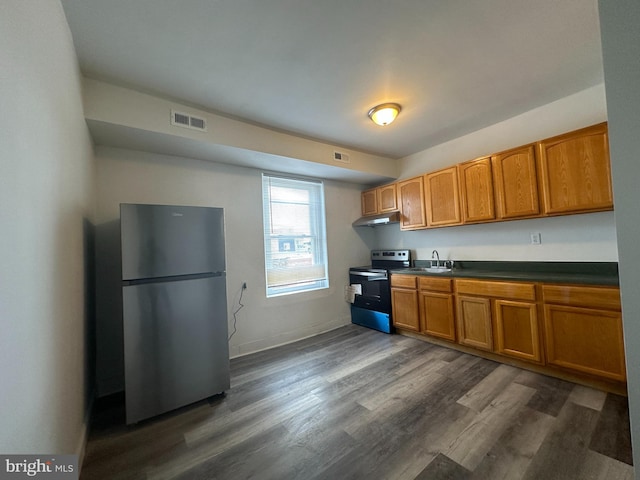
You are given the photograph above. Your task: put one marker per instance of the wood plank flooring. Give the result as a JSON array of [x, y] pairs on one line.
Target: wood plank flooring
[[354, 403]]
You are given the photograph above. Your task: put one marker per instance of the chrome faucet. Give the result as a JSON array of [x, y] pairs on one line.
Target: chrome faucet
[[437, 255]]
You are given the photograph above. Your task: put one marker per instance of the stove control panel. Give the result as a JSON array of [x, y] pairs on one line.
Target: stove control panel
[[399, 255], [391, 259]]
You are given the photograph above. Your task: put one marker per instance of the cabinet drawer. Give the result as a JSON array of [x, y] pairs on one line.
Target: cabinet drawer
[[607, 298], [403, 281], [435, 284], [513, 290]]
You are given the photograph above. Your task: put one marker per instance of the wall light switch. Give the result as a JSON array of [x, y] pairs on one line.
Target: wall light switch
[[536, 239]]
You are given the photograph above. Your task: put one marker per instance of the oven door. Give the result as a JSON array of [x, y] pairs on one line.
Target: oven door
[[376, 293]]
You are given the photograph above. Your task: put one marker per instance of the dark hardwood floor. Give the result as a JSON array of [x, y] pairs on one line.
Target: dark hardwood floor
[[358, 404]]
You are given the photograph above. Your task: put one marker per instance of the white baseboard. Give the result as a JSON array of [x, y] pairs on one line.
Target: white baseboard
[[286, 338]]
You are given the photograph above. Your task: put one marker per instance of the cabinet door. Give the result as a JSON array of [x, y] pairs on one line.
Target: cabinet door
[[517, 332], [442, 197], [576, 172], [474, 322], [369, 199], [404, 306], [586, 340], [387, 199], [476, 187], [436, 315], [515, 183], [411, 195]]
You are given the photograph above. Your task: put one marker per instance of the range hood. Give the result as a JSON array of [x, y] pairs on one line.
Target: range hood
[[380, 219]]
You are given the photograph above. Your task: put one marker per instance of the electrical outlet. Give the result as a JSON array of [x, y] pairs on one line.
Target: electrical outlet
[[536, 239]]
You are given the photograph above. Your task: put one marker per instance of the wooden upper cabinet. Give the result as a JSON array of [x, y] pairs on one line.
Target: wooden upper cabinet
[[411, 200], [369, 199], [387, 198], [515, 183], [575, 171], [566, 174], [442, 201], [476, 188], [379, 200]]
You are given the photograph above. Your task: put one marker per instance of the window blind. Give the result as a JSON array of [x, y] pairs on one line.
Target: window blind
[[294, 235]]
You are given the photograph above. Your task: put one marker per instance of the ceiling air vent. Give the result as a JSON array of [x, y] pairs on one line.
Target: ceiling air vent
[[181, 119], [341, 157]]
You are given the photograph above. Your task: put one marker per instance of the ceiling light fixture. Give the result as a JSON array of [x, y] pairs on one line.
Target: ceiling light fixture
[[384, 114]]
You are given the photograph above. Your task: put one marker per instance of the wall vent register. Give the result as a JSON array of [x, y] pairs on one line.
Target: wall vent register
[[181, 119]]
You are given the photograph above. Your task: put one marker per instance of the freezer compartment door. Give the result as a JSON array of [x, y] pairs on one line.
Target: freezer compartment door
[[175, 342], [163, 241]]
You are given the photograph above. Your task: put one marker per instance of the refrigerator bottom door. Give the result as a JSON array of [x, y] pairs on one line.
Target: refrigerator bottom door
[[175, 342]]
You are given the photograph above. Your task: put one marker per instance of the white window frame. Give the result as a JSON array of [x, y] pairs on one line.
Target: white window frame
[[283, 276]]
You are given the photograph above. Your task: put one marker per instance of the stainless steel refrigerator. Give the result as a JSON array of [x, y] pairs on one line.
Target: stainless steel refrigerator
[[176, 350]]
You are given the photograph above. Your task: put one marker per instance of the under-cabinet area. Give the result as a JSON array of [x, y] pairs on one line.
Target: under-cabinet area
[[570, 331], [566, 174]]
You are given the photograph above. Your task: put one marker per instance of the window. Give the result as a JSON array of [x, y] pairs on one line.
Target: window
[[294, 235]]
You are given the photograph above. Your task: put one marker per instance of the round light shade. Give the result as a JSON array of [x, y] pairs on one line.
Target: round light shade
[[384, 114]]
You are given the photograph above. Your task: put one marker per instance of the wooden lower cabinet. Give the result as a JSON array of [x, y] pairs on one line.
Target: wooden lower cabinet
[[423, 304], [437, 308], [499, 316], [474, 322], [517, 330], [404, 302], [563, 329], [405, 309], [583, 330]]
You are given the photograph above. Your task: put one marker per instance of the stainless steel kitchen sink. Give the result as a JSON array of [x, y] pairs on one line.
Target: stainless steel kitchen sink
[[430, 269]]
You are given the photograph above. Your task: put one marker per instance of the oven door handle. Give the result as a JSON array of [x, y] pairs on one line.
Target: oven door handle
[[370, 275]]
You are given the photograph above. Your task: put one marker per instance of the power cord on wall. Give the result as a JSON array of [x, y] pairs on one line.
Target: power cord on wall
[[235, 318]]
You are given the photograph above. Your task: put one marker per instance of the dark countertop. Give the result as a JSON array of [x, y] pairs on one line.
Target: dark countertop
[[587, 273]]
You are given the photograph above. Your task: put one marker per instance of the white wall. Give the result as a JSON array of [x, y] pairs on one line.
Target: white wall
[[573, 238], [46, 197], [124, 118], [126, 176], [585, 237], [582, 109], [620, 31]]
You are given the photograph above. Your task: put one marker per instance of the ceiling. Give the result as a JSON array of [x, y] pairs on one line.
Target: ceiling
[[314, 68]]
